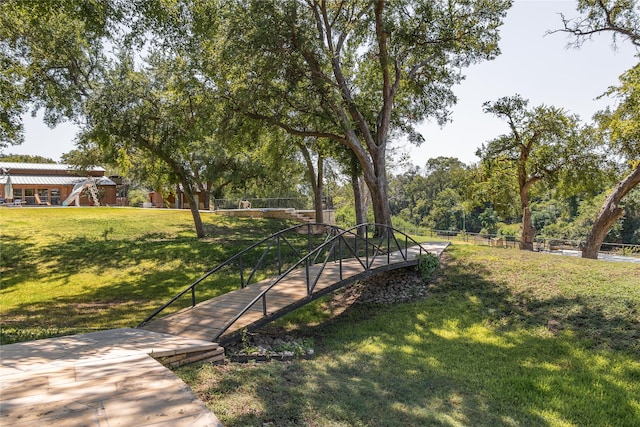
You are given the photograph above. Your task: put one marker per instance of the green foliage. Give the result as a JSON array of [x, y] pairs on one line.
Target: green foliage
[[137, 197], [443, 214], [427, 265], [618, 17], [541, 141], [620, 125], [489, 220], [25, 158], [51, 54], [496, 184], [432, 199], [511, 230]]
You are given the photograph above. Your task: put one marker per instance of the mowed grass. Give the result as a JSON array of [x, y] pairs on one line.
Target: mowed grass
[[69, 270], [504, 338]]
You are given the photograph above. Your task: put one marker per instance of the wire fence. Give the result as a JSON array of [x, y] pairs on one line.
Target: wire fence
[[298, 203], [539, 244]]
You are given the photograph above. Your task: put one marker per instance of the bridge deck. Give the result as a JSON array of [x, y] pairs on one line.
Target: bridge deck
[[205, 320]]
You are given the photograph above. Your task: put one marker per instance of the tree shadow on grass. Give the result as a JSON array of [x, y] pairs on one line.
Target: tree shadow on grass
[[140, 275], [15, 260], [474, 352], [131, 291]]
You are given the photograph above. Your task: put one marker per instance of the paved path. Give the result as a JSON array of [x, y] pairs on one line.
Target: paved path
[[100, 379], [601, 255]]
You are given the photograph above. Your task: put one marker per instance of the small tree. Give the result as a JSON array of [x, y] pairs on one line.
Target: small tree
[[541, 141], [158, 112]]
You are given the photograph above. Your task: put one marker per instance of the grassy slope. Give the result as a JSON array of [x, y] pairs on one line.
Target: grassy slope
[[70, 270], [504, 338]]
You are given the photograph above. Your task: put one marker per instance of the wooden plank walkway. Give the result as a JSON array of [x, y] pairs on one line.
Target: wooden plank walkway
[[205, 320]]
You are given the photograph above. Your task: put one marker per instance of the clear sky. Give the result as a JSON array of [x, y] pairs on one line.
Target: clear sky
[[538, 67]]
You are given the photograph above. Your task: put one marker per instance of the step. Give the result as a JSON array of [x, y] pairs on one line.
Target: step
[[179, 357]]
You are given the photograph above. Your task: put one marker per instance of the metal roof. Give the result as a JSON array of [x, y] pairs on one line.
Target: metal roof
[[14, 167], [52, 180]]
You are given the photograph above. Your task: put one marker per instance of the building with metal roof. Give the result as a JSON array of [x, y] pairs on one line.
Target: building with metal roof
[[50, 184]]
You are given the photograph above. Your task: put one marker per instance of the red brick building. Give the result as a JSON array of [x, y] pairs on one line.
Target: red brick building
[[50, 184]]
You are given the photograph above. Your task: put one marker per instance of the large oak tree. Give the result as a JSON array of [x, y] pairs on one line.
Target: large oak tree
[[621, 19], [354, 72], [621, 133]]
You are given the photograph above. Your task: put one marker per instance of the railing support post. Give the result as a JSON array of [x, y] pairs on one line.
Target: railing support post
[[366, 246], [406, 247], [308, 278], [340, 253], [388, 245], [279, 257]]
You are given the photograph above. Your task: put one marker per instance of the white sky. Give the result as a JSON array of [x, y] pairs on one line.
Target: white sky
[[538, 67]]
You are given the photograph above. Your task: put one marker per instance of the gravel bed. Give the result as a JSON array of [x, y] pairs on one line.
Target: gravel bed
[[391, 287]]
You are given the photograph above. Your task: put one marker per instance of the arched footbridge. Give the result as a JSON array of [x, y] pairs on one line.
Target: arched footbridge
[[282, 273]]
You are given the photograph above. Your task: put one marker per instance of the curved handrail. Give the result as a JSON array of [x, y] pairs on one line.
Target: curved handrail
[[314, 253], [237, 258]]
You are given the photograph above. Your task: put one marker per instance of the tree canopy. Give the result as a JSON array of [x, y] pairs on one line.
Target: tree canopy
[[50, 54], [356, 73], [616, 17]]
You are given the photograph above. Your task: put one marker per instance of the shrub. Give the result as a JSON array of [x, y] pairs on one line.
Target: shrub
[[138, 197], [427, 264]]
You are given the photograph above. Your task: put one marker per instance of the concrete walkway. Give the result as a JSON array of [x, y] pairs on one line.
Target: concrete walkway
[[105, 378], [601, 255]]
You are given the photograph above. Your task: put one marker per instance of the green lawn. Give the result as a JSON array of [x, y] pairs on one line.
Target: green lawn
[[504, 338], [69, 270]]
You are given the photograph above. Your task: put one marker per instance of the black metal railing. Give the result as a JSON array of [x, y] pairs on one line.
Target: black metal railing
[[307, 247]]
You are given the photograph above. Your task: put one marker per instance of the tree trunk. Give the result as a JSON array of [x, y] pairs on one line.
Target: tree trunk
[[381, 209], [195, 211], [206, 196], [528, 230], [375, 177], [609, 214], [318, 189], [365, 196], [315, 180], [358, 203]]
